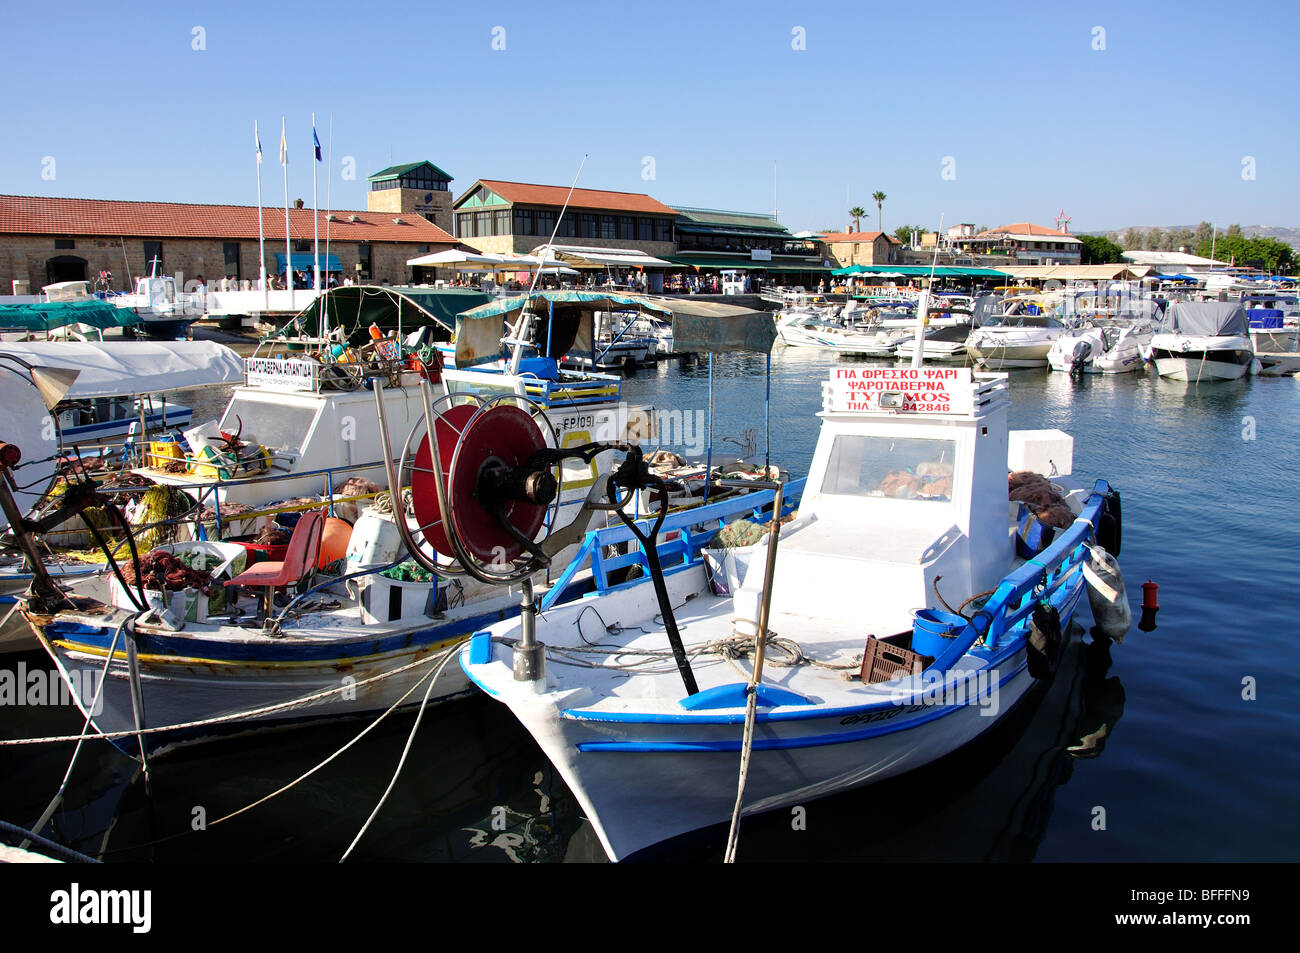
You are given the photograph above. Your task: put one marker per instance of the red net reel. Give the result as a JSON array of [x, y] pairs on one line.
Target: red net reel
[[469, 441]]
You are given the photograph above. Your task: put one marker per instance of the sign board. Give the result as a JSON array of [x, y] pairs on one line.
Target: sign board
[[760, 254], [900, 390], [280, 374]]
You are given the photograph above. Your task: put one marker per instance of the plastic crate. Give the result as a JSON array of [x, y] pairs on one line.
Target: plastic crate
[[884, 660]]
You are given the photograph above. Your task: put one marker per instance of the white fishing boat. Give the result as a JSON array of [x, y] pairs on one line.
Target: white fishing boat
[[908, 486], [1203, 340], [336, 645], [1102, 347]]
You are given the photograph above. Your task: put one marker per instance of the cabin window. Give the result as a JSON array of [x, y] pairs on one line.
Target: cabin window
[[902, 468]]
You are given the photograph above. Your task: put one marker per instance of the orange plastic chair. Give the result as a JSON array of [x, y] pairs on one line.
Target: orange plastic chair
[[299, 559]]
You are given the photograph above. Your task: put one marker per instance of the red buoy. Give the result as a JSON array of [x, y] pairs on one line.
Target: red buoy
[[1149, 595]]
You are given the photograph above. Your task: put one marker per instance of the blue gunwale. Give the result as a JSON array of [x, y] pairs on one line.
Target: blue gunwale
[[1010, 604]]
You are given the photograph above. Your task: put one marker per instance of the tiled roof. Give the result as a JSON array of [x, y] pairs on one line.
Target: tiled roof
[[525, 194], [38, 215], [857, 237], [1023, 228]]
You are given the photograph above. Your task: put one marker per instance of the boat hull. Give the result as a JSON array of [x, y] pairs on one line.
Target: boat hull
[[695, 773], [1203, 364]]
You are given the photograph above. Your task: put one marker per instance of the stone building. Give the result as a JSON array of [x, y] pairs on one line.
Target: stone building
[[862, 248], [513, 218], [47, 240], [416, 188]]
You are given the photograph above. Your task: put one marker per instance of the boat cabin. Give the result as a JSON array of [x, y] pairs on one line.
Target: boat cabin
[[908, 485]]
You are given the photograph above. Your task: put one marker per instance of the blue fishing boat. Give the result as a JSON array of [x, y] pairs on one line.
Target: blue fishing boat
[[894, 620]]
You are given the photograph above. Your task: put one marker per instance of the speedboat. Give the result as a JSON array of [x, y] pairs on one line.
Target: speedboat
[[1019, 336], [1274, 320], [833, 665], [1203, 340], [1102, 347]]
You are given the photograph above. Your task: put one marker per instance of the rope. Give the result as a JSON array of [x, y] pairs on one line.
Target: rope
[[220, 719], [72, 763], [298, 780], [746, 749], [54, 847], [410, 739]]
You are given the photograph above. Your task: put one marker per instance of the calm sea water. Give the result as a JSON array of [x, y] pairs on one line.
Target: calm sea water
[[1197, 719]]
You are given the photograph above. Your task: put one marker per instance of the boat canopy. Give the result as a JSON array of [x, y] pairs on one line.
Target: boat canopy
[[130, 368], [49, 315], [355, 307], [1212, 318], [710, 327], [567, 319]]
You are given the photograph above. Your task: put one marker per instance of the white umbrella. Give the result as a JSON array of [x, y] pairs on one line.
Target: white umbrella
[[453, 258]]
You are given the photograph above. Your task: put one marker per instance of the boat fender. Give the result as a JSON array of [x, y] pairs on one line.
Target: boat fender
[[1106, 594], [1110, 523], [1043, 641]]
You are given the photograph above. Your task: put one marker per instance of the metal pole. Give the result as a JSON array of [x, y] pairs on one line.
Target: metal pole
[[708, 460]]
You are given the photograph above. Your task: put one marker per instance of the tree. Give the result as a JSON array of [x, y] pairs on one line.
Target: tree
[[1131, 239], [1154, 239], [879, 198], [1100, 250], [1203, 233], [857, 212], [1266, 254], [904, 233]]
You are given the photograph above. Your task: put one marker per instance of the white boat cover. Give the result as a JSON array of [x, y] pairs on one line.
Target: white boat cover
[[1211, 318], [129, 368]]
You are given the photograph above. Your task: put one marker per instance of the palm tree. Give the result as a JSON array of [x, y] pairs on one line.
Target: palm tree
[[879, 198], [857, 212]]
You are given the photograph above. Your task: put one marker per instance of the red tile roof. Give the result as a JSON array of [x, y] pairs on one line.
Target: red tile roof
[[857, 237], [525, 194], [38, 215], [1021, 228]]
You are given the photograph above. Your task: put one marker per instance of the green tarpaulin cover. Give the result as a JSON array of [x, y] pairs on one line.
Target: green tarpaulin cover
[[46, 316]]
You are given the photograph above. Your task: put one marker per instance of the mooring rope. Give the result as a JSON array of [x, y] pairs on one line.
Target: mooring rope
[[410, 739], [746, 749]]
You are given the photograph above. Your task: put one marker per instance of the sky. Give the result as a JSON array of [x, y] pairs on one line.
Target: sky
[[1117, 113]]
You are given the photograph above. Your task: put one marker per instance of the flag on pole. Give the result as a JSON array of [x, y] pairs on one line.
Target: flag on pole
[[316, 140], [257, 140], [284, 146]]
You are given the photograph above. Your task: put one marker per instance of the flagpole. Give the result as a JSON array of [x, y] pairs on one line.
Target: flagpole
[[329, 185], [261, 236], [315, 210], [288, 248]]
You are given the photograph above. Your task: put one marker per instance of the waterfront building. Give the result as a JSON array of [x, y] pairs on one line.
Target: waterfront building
[[416, 188], [712, 240], [48, 240], [1020, 243], [849, 248], [513, 218]]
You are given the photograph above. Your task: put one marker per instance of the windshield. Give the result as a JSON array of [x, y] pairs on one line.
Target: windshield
[[905, 468], [273, 425]]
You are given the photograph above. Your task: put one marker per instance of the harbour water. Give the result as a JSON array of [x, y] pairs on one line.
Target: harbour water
[[1190, 753]]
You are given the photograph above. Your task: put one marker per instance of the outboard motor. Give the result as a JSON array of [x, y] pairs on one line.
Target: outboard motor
[[1080, 356]]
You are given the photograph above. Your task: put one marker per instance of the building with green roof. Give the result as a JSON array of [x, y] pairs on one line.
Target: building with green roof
[[413, 188]]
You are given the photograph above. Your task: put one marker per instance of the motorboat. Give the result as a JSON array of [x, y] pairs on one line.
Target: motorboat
[[1019, 335], [1274, 319], [1102, 347], [1203, 340], [833, 665]]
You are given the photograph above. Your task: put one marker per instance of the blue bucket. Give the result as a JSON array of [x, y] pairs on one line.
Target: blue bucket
[[933, 631]]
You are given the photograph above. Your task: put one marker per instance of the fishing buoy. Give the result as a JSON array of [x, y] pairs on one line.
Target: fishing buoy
[[334, 541], [1149, 607], [375, 333], [1106, 594]]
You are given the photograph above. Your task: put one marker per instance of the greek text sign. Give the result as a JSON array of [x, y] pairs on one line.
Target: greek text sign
[[904, 390]]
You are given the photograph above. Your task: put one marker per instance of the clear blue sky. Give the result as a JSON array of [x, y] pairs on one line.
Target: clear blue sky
[[1153, 129]]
